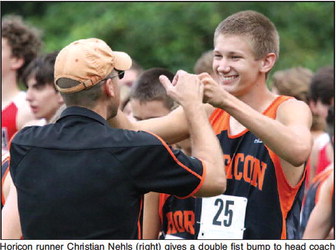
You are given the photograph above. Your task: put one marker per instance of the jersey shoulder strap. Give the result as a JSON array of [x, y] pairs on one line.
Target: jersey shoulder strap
[[272, 109], [219, 120]]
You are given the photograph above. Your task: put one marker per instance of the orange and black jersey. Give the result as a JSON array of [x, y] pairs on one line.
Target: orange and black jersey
[[4, 173], [254, 171], [177, 217], [312, 196], [81, 179]]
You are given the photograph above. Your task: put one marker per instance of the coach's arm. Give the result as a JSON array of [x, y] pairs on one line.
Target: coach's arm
[[187, 90]]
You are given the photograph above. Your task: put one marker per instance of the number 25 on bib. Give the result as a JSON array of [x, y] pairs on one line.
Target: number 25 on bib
[[222, 217]]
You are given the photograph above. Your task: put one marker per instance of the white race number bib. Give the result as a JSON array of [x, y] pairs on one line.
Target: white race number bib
[[222, 217], [172, 237]]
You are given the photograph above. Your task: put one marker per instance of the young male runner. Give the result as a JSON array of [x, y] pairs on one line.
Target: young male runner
[[265, 138]]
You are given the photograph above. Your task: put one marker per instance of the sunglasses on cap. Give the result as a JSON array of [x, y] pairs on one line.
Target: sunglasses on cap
[[120, 74]]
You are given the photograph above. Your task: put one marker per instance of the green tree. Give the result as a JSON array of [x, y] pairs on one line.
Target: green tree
[[174, 34]]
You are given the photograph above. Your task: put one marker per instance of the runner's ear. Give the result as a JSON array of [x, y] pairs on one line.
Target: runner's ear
[[267, 62]]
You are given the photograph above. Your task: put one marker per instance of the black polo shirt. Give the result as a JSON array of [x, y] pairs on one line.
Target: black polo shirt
[[79, 178]]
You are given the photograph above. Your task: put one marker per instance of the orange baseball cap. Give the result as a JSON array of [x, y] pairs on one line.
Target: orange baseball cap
[[88, 61]]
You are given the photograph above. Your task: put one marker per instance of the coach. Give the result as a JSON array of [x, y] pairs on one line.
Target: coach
[[81, 179]]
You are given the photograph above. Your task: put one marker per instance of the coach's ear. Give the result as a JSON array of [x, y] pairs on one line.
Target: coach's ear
[[267, 63], [110, 88]]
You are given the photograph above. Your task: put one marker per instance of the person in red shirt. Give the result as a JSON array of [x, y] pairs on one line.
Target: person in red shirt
[[321, 98], [20, 45]]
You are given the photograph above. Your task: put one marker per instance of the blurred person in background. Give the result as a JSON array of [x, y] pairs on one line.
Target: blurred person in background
[[21, 43], [319, 197], [318, 216], [44, 100], [42, 95], [128, 80], [321, 99], [204, 64], [321, 220], [321, 189], [131, 74], [148, 98], [125, 85], [292, 82]]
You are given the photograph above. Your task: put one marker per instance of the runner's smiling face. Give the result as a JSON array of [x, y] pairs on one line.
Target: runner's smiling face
[[234, 64]]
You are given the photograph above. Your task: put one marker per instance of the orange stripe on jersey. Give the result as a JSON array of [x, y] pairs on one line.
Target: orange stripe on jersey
[[162, 200], [272, 109], [184, 166], [3, 200], [139, 220], [5, 159], [287, 193], [219, 120], [332, 190], [321, 177], [11, 139]]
